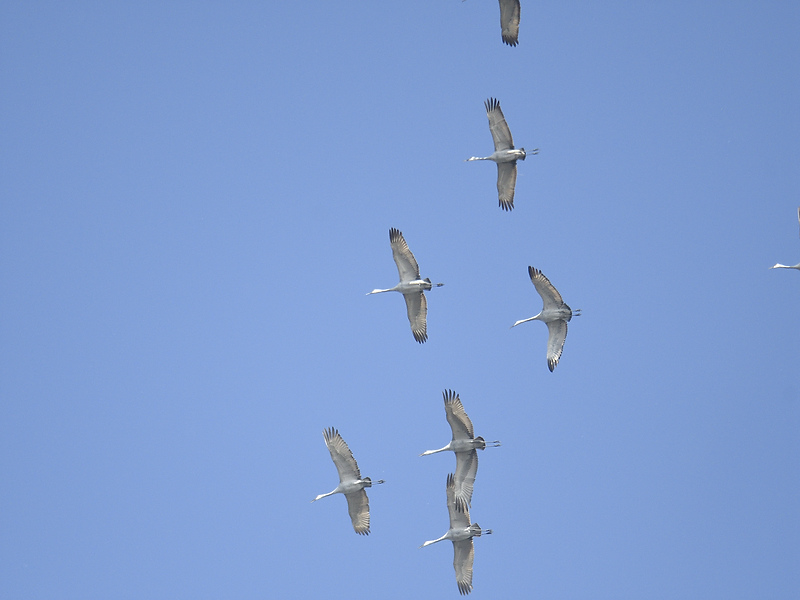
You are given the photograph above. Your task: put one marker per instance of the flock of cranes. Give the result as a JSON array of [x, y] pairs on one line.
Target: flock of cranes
[[459, 486], [555, 314]]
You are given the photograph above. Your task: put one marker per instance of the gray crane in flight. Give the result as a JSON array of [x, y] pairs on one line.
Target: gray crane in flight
[[351, 483], [460, 533], [797, 266], [411, 286], [555, 313], [465, 446], [505, 155]]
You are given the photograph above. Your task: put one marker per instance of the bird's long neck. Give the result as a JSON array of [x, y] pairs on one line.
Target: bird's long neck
[[435, 451], [477, 158], [428, 543], [325, 495], [379, 291], [536, 318]]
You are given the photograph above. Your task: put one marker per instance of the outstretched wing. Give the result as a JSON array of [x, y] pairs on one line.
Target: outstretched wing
[[417, 308], [506, 182], [549, 294], [358, 507], [458, 518], [501, 134], [463, 558], [407, 266], [466, 470], [457, 417], [509, 21], [557, 334], [342, 457]]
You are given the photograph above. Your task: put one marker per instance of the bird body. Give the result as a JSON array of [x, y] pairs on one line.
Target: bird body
[[411, 285], [351, 484], [465, 446], [555, 313], [505, 155], [509, 155], [461, 532], [797, 266], [408, 287]]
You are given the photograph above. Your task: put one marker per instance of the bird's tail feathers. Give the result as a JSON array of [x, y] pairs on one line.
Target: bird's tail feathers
[[476, 530]]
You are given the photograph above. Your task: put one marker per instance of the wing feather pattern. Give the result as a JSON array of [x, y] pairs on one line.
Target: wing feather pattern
[[457, 417], [548, 292], [463, 559], [417, 308], [342, 456], [509, 21], [358, 507], [407, 267], [466, 470], [557, 335], [501, 134], [506, 182]]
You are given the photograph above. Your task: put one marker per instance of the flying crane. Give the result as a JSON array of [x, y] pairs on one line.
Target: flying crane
[[555, 313], [350, 482], [411, 286], [465, 445], [505, 155], [460, 533]]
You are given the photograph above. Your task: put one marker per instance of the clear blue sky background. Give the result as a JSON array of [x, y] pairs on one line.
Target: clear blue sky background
[[196, 197]]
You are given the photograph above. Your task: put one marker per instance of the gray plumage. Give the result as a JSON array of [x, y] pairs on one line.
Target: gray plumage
[[505, 155], [509, 21], [460, 533], [555, 313], [465, 446], [411, 286], [350, 482]]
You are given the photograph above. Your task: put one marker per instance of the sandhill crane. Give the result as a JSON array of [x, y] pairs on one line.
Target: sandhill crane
[[555, 313], [505, 155], [509, 21], [461, 534], [465, 445], [411, 286], [350, 482], [797, 266]]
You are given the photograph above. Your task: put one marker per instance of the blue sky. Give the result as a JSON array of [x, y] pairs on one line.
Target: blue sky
[[196, 198]]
